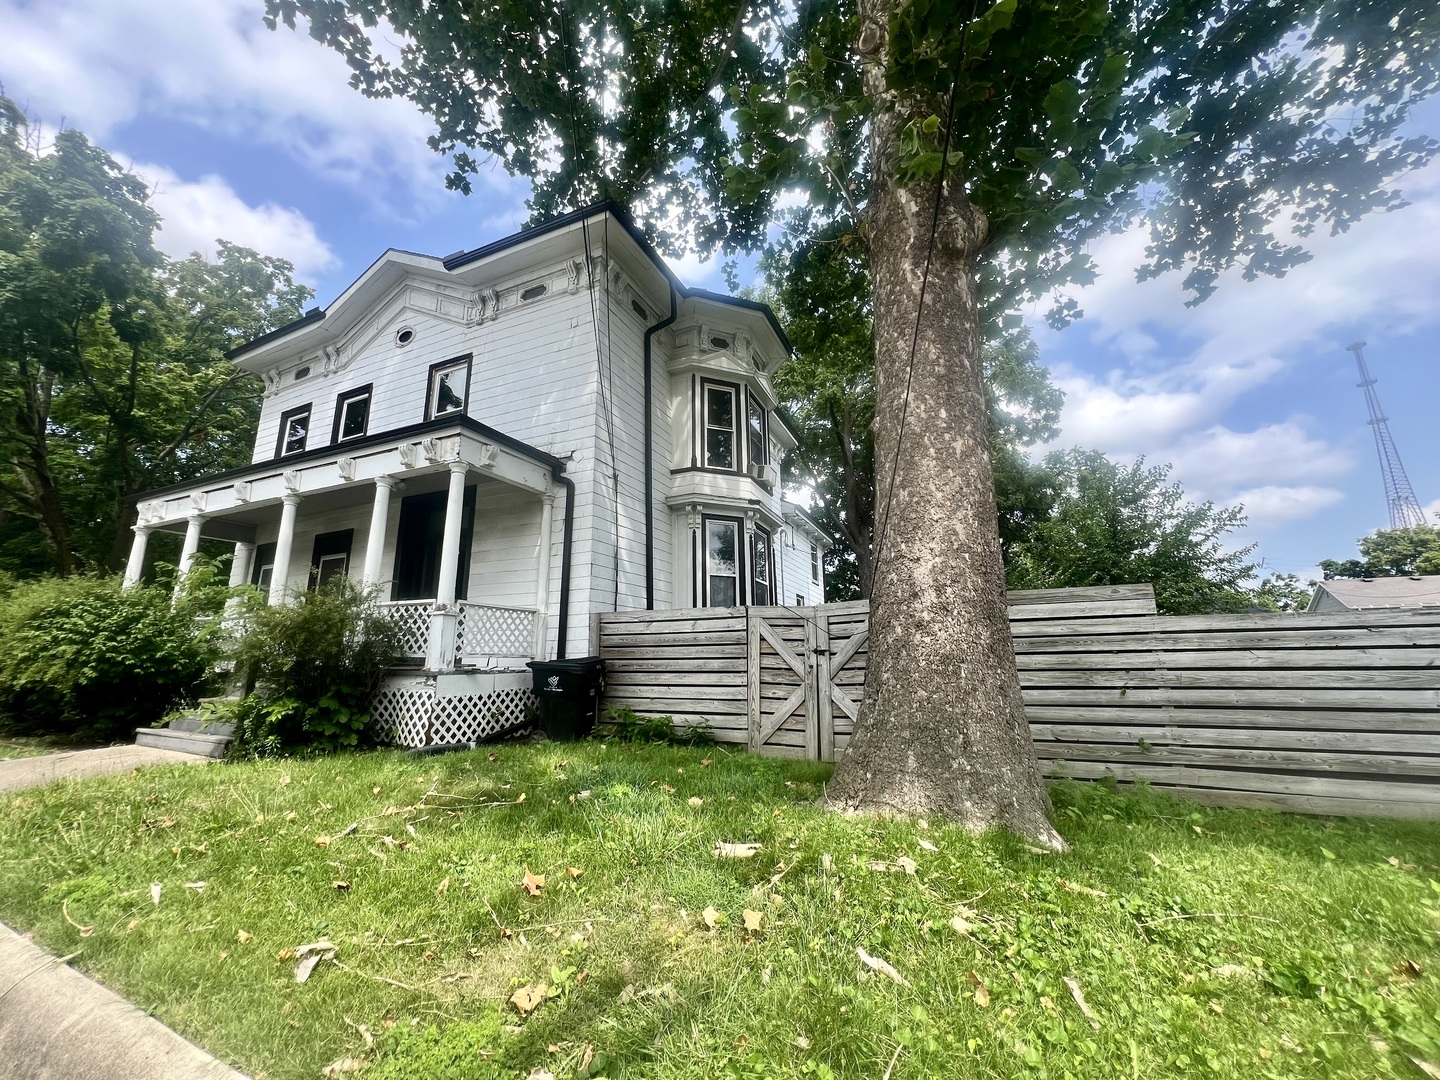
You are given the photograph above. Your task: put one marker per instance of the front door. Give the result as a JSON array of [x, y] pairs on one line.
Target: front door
[[330, 557], [417, 546]]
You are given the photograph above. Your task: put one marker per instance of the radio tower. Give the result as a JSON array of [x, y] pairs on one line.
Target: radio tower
[[1400, 498]]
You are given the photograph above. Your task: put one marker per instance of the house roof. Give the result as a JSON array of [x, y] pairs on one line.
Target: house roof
[[1357, 593], [458, 260], [797, 514]]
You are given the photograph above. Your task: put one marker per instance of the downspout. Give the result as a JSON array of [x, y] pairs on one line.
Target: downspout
[[651, 331], [558, 472]]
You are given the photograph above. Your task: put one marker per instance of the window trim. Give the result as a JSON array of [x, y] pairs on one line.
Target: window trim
[[308, 411], [753, 403], [341, 400], [817, 567], [703, 426], [740, 560], [758, 531], [468, 359]]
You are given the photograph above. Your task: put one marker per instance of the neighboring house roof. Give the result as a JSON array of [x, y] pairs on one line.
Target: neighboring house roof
[[797, 515], [1380, 592], [458, 260]]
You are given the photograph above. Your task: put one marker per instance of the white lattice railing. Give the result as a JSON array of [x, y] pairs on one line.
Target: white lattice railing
[[487, 630], [413, 618]]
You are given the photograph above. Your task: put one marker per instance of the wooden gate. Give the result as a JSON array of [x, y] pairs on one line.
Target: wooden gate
[[806, 672]]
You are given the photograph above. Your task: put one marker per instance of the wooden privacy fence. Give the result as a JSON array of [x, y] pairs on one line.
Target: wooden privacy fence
[[1330, 714]]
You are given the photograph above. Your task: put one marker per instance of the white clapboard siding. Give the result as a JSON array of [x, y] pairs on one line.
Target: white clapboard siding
[[1332, 714]]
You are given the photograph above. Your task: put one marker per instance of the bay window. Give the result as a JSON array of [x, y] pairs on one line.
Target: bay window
[[722, 562], [721, 412]]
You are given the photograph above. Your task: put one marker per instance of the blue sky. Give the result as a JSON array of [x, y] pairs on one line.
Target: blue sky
[[256, 137]]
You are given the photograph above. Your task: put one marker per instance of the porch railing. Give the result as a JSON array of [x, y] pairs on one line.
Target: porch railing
[[483, 632]]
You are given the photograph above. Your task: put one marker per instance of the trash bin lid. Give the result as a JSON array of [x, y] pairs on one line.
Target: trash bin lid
[[583, 665]]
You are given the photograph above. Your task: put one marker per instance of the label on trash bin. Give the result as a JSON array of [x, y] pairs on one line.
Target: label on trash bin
[[553, 683]]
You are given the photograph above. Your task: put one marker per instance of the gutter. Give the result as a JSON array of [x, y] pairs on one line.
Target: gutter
[[557, 471], [650, 332]]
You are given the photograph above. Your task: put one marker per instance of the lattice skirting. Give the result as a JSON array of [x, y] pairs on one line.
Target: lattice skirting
[[417, 712]]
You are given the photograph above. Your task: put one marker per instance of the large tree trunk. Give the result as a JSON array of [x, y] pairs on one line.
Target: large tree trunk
[[942, 730]]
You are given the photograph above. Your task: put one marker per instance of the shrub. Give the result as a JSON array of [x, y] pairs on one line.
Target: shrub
[[83, 657], [315, 665]]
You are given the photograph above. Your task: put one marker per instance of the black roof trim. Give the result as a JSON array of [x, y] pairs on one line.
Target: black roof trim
[[554, 464], [314, 315], [787, 420], [465, 258]]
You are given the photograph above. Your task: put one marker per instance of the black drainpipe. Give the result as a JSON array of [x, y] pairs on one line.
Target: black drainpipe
[[651, 331], [558, 472]]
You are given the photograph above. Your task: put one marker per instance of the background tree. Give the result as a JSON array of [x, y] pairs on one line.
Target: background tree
[[112, 370], [1283, 592], [1122, 524], [974, 150], [1390, 553]]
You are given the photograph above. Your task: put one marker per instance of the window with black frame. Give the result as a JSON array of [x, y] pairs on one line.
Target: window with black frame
[[352, 414], [449, 385], [722, 562], [294, 431], [760, 567], [756, 430], [720, 416]]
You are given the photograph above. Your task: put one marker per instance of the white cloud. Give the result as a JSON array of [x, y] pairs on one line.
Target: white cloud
[[196, 213], [99, 64], [1277, 504]]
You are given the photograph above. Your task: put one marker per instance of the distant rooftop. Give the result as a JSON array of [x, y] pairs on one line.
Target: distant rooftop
[[1354, 594]]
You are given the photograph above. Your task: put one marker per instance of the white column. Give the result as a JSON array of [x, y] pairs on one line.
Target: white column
[[241, 563], [188, 550], [280, 576], [542, 573], [136, 565], [379, 521], [445, 618], [450, 541]]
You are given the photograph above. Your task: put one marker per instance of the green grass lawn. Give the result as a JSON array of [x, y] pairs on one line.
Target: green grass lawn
[[1202, 942], [21, 746]]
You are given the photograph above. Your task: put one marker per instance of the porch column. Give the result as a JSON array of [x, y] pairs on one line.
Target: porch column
[[379, 520], [280, 576], [136, 564], [188, 550], [241, 563], [445, 619], [542, 579]]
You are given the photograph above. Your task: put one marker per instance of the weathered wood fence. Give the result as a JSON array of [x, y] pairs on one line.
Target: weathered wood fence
[[1330, 714]]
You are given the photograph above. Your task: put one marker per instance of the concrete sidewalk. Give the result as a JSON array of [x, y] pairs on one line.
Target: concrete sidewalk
[[20, 773], [56, 1024]]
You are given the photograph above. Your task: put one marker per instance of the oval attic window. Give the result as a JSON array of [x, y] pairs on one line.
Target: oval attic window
[[534, 292], [404, 336], [300, 373], [718, 342]]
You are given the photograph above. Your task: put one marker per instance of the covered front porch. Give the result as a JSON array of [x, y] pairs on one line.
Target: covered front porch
[[452, 525]]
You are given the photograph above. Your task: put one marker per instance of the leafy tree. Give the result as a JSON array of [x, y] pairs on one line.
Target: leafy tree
[[1126, 524], [1390, 553], [112, 370], [973, 150], [1283, 592]]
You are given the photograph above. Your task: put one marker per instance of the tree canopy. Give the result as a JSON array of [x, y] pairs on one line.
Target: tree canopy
[[112, 370], [1390, 553]]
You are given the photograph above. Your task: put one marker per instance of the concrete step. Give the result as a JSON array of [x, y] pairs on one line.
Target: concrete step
[[198, 723], [199, 743]]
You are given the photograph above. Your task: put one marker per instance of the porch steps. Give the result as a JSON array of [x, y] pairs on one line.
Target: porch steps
[[189, 735]]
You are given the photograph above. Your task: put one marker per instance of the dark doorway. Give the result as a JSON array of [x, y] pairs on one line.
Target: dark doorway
[[330, 557], [264, 566], [417, 546]]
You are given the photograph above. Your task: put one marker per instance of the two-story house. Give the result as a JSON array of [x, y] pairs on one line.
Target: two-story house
[[503, 442]]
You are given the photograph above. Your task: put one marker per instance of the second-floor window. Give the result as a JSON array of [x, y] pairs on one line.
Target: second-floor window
[[449, 384], [755, 415], [720, 417], [294, 431], [814, 562], [352, 414]]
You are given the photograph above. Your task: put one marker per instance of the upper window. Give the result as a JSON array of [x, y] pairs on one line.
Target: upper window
[[294, 431], [814, 562], [755, 415], [352, 414], [760, 568], [722, 562], [720, 415], [449, 383]]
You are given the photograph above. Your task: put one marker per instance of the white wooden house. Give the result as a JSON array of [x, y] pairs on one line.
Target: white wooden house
[[506, 441]]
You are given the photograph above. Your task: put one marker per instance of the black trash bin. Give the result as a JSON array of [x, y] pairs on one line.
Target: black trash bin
[[569, 693]]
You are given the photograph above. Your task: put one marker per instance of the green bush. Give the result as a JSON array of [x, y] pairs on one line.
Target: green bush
[[315, 665], [83, 657]]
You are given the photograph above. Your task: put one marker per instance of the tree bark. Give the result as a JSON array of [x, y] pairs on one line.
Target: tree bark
[[942, 730]]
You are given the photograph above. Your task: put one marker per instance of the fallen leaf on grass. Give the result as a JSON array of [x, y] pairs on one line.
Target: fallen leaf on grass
[[131, 925], [344, 1065], [752, 920], [198, 886], [289, 815], [907, 864], [1074, 987], [982, 992], [826, 863], [961, 926], [927, 845], [695, 801], [712, 917], [340, 886], [528, 998], [244, 937], [443, 887], [725, 850], [874, 963], [155, 891], [667, 788], [322, 841], [706, 762], [285, 780], [1083, 890], [538, 1073], [574, 871], [1154, 858], [306, 966], [532, 883]]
